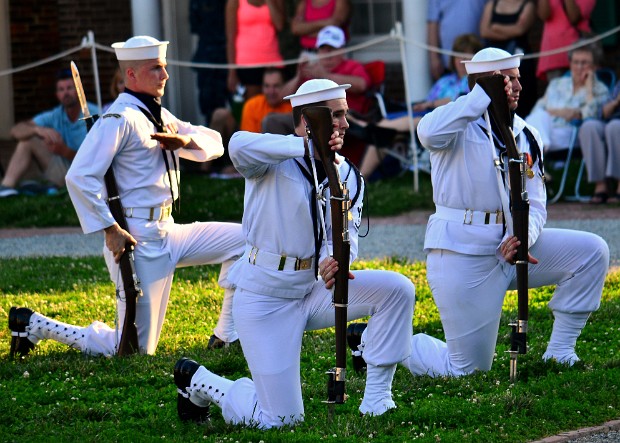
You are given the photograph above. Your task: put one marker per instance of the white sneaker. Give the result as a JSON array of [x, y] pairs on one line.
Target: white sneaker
[[5, 191]]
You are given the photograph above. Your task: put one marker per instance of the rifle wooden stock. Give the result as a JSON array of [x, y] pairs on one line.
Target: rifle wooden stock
[[319, 122], [520, 206], [131, 284]]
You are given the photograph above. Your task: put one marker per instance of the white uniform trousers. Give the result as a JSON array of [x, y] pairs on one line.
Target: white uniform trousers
[[600, 145], [271, 329], [469, 292], [185, 245]]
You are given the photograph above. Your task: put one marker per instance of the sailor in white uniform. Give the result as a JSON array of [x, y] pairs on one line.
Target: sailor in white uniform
[[142, 142], [469, 262], [278, 296]]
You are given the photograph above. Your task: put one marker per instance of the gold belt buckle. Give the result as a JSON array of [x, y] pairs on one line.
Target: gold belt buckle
[[165, 212], [303, 264], [471, 216], [252, 255]]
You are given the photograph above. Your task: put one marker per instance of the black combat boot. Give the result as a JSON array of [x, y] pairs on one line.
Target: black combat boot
[[217, 343], [354, 339], [19, 320], [184, 370]]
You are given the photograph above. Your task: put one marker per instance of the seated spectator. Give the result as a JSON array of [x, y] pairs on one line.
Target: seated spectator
[[313, 15], [448, 88], [600, 145], [255, 109], [51, 139], [269, 102], [336, 68], [576, 96], [340, 70]]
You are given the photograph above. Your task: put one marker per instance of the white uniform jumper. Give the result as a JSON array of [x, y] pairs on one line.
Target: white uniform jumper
[[272, 308], [121, 138], [466, 273]]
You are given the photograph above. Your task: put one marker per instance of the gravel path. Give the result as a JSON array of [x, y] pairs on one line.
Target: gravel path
[[408, 240], [401, 236]]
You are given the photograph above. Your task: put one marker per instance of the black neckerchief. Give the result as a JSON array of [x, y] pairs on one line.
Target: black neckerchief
[[153, 104], [314, 202], [501, 155], [153, 113]]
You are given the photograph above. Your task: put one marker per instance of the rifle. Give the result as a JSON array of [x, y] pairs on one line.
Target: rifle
[[320, 128], [131, 284], [519, 208]]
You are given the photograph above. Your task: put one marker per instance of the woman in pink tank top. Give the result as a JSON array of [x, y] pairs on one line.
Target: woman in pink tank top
[[313, 15], [251, 38]]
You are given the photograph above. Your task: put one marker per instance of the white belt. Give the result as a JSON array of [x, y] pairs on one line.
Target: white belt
[[277, 262], [469, 216], [159, 213]]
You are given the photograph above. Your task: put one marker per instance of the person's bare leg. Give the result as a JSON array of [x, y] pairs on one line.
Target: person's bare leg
[[25, 152], [400, 124], [223, 122], [370, 162]]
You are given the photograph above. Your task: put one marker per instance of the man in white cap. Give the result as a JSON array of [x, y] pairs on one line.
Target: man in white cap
[[331, 39], [142, 142], [278, 294], [333, 65], [470, 252]]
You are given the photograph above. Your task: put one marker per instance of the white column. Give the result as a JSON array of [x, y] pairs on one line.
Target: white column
[[418, 71], [146, 18], [6, 85]]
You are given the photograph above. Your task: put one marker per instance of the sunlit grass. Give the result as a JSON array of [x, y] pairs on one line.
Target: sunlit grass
[[59, 394]]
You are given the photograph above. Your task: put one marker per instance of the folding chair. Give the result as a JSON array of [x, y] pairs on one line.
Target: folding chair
[[404, 146], [607, 76]]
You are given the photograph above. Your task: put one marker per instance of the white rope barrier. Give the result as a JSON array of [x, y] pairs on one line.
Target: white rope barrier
[[295, 61], [86, 43], [41, 62]]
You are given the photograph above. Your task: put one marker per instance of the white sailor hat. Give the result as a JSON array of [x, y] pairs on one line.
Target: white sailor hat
[[492, 59], [317, 90], [140, 47]]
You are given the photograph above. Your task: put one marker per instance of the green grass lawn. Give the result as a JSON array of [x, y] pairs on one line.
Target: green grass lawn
[[59, 394], [204, 199]]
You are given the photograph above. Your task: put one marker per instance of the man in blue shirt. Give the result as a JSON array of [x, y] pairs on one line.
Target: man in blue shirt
[[51, 139]]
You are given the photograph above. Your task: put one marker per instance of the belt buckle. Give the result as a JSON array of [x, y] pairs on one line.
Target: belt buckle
[[471, 217], [303, 264], [252, 255], [499, 217], [165, 212]]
